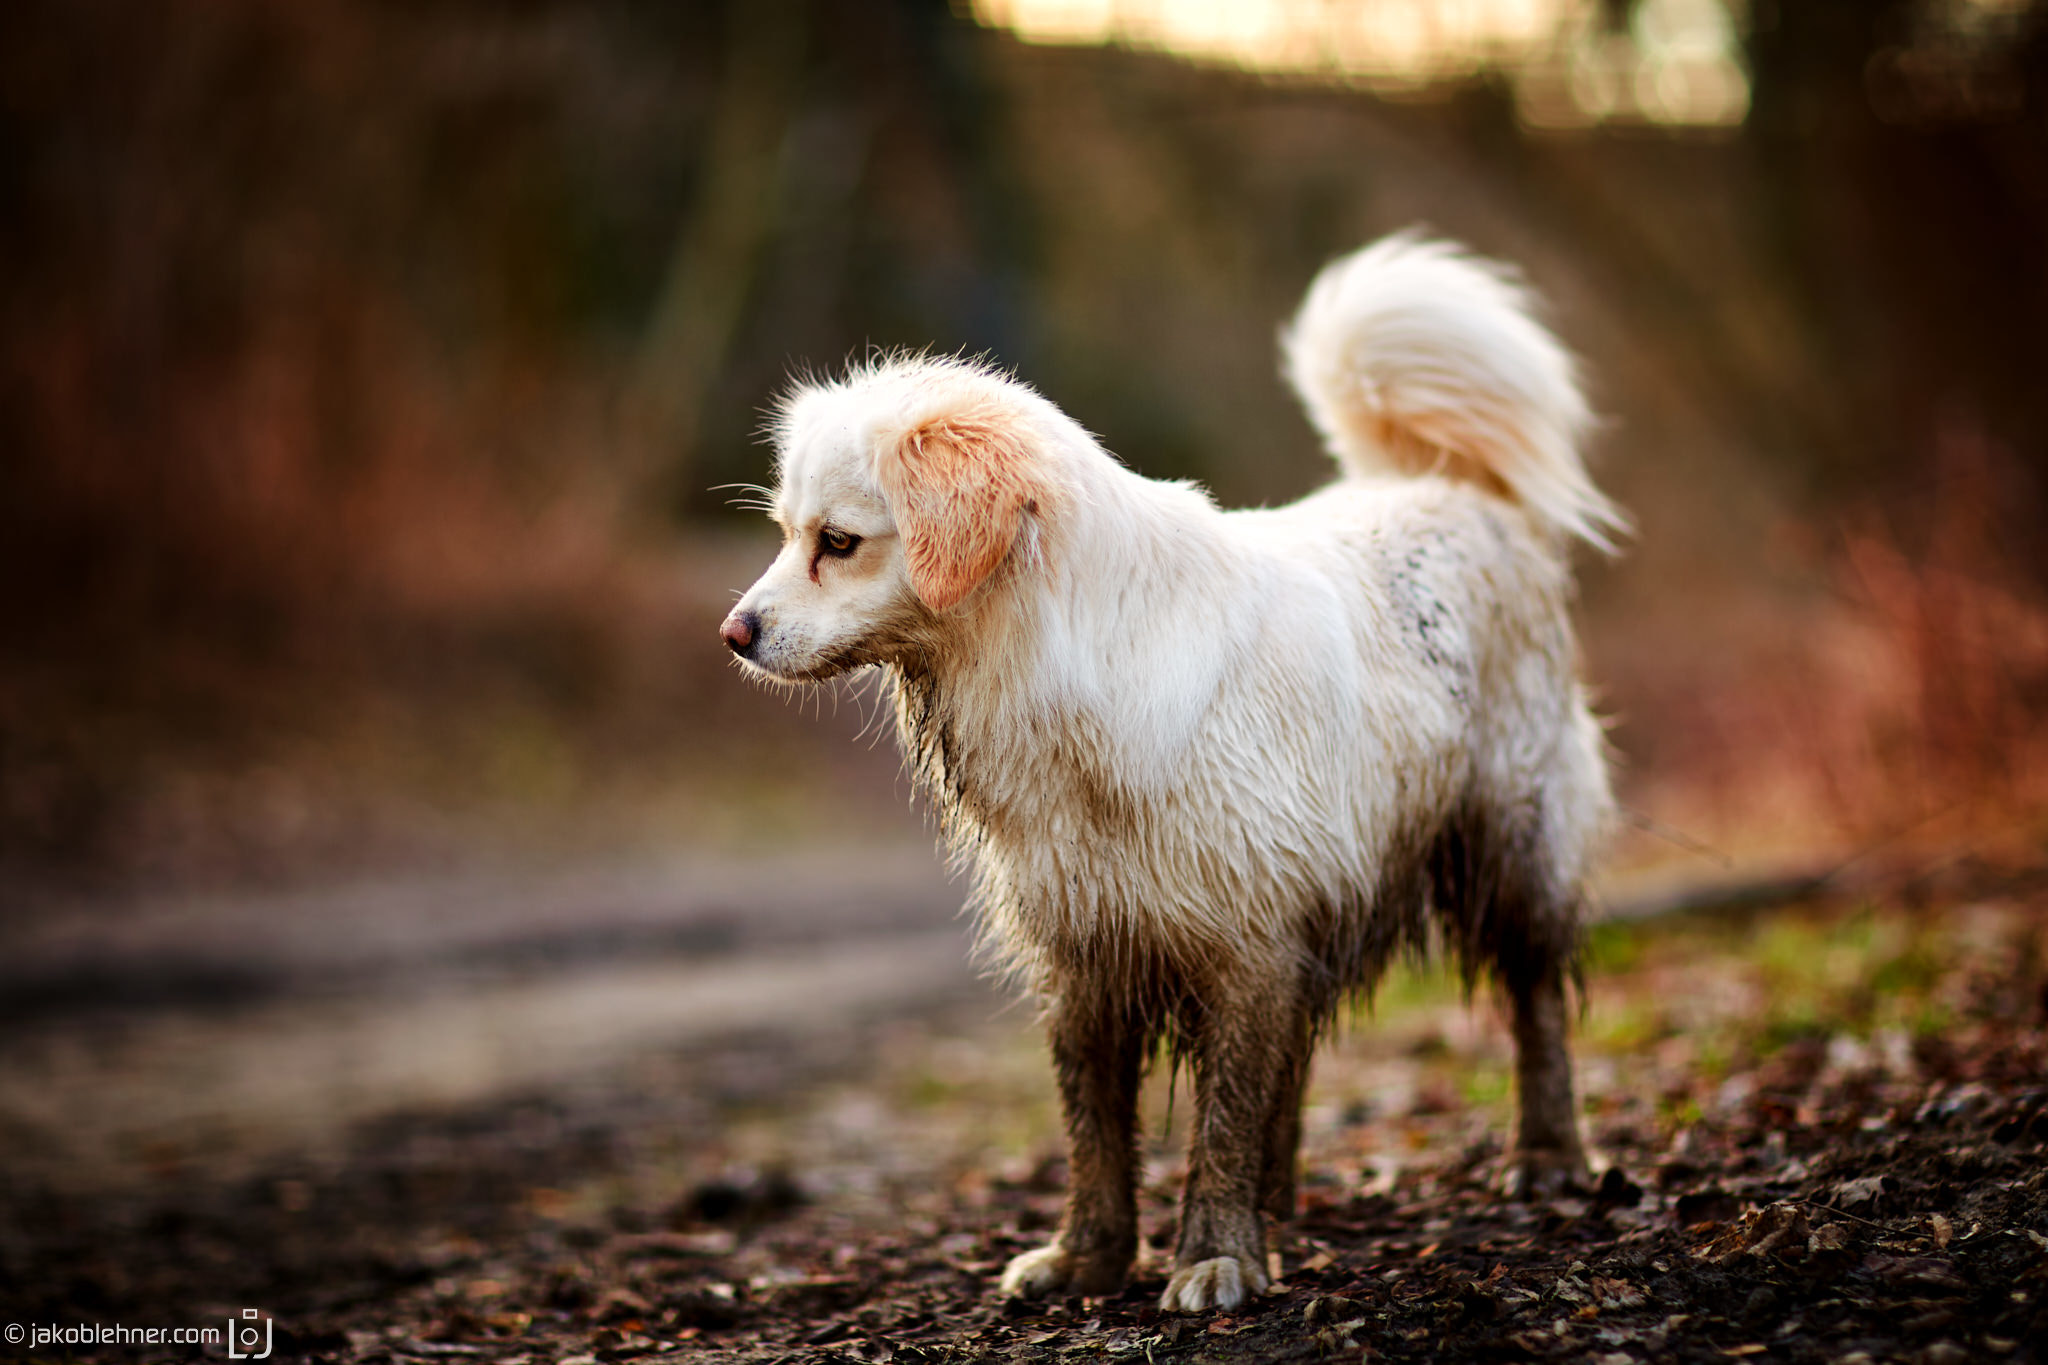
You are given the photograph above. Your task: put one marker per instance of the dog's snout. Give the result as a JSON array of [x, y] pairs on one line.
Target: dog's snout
[[740, 631]]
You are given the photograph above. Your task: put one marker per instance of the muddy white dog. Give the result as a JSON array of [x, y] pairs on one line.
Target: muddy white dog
[[1213, 769]]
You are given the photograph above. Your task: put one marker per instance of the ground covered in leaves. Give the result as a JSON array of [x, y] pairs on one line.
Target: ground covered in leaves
[[1823, 1130]]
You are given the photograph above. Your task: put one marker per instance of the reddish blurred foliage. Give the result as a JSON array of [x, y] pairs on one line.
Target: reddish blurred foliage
[[1900, 703]]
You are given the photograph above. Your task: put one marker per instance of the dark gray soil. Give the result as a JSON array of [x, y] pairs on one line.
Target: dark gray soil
[[1827, 1213]]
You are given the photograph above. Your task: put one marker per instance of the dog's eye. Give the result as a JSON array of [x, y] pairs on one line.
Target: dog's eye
[[837, 543]]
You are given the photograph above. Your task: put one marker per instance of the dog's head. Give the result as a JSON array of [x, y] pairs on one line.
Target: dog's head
[[903, 490]]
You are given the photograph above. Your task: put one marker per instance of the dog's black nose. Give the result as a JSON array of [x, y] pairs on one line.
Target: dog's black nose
[[740, 631]]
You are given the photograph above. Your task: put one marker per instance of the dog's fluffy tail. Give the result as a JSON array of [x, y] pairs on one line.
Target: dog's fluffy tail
[[1414, 356]]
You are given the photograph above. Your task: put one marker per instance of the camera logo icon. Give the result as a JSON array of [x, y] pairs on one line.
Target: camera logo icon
[[243, 1333]]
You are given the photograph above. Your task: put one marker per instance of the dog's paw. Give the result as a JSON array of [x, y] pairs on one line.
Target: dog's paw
[[1056, 1270], [1037, 1273], [1219, 1282], [1546, 1172]]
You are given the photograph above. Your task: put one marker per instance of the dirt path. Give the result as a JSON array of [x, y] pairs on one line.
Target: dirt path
[[232, 1089], [58, 955], [228, 1032]]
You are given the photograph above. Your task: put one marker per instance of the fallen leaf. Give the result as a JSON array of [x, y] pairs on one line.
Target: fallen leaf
[[1829, 1237], [1609, 1293], [1927, 1271]]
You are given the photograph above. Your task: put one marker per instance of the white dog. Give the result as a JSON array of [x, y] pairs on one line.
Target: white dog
[[1213, 769]]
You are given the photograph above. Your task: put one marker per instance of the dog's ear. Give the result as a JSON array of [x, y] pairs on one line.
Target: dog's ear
[[959, 486]]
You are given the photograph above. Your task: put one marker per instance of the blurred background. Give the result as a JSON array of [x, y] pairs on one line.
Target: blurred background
[[374, 373], [373, 377]]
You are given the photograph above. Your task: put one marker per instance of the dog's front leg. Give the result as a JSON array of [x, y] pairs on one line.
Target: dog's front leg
[[1283, 1130], [1243, 1061], [1099, 1056]]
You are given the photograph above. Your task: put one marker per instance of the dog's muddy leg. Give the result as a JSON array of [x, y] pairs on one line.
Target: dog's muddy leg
[[1547, 1152], [1241, 1065], [1283, 1129], [1099, 1056], [1496, 886]]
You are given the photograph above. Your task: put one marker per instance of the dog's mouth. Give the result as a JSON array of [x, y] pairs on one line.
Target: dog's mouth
[[832, 664]]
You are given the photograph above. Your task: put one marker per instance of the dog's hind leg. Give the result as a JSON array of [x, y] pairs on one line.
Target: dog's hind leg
[[1534, 932], [1098, 1053], [1541, 899], [1512, 909], [1547, 1151]]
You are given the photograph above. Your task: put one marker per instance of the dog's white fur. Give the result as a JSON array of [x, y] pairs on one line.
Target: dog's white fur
[[1169, 738]]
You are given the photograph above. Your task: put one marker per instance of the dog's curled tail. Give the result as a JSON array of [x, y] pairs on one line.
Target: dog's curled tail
[[1413, 356]]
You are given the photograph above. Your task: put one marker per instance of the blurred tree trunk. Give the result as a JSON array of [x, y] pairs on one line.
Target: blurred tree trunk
[[1903, 153], [711, 268]]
